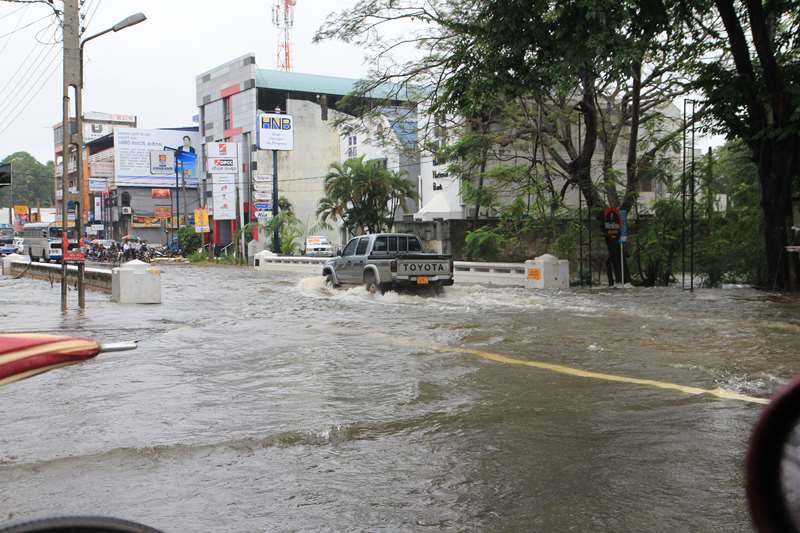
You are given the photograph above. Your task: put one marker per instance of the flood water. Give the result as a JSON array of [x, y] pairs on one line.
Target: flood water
[[264, 402]]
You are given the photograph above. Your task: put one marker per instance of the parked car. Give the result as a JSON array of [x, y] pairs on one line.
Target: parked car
[[387, 261], [318, 246]]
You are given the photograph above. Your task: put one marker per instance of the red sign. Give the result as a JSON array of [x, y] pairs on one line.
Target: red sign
[[162, 212], [612, 223], [160, 193], [74, 256]]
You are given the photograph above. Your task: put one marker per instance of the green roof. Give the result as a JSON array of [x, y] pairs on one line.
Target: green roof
[[316, 84]]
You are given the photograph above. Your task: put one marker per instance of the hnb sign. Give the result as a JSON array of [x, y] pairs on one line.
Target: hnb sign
[[275, 132]]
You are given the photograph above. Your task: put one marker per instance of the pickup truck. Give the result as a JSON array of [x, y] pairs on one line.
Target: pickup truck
[[387, 261]]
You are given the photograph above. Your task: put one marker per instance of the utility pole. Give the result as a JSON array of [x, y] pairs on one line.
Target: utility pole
[[72, 82]]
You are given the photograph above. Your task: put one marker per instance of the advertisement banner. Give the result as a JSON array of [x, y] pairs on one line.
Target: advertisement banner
[[186, 163], [162, 212], [223, 158], [162, 163], [98, 185], [132, 149], [275, 132], [160, 193], [201, 224], [140, 221], [98, 208], [21, 210], [224, 197]]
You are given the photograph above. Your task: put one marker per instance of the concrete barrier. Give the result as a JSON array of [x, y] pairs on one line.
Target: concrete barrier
[[499, 274], [96, 279], [276, 263]]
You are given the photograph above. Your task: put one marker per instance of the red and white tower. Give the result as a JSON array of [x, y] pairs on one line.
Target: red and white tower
[[283, 19]]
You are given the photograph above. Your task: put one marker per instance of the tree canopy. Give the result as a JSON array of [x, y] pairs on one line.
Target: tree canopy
[[33, 181]]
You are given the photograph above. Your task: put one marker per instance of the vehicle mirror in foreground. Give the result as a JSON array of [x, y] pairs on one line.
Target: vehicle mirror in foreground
[[773, 464], [86, 524]]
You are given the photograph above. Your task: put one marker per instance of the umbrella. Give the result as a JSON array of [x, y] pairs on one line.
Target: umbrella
[[26, 355]]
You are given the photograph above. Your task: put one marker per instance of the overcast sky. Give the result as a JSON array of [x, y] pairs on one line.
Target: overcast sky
[[147, 70]]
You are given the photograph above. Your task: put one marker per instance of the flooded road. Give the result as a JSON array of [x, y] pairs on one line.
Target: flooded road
[[263, 402]]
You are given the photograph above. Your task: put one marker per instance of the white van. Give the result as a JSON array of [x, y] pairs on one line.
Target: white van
[[318, 246]]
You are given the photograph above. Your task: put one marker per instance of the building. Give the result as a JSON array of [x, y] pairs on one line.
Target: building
[[441, 192], [231, 97], [129, 194], [95, 126]]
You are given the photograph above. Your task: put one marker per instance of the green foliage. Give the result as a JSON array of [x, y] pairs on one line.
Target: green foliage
[[364, 195], [484, 243], [189, 240], [290, 230], [198, 256], [33, 181], [658, 243]]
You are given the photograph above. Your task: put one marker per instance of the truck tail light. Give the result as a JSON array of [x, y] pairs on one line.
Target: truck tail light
[[394, 265]]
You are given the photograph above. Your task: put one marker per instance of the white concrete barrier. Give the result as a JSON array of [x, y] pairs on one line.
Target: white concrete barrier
[[12, 258], [276, 263], [136, 282], [466, 272], [547, 272]]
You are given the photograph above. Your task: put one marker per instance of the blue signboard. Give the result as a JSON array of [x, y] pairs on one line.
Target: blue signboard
[[623, 230], [187, 165]]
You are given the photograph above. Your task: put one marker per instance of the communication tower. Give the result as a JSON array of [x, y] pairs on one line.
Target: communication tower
[[283, 19]]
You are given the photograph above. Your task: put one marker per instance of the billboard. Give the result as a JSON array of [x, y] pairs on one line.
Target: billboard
[[162, 163], [275, 131], [223, 158], [223, 195], [201, 224], [132, 148]]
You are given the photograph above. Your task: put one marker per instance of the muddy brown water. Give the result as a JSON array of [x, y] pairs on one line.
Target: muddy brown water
[[264, 402]]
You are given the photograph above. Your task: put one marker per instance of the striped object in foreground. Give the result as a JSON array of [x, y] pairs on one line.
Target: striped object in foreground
[[23, 356]]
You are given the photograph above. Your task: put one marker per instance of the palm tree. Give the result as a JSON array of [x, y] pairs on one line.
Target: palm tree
[[364, 195]]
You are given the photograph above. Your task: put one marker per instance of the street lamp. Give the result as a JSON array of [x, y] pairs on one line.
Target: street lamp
[[73, 46]]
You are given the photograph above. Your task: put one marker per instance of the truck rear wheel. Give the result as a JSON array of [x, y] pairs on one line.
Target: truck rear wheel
[[371, 284]]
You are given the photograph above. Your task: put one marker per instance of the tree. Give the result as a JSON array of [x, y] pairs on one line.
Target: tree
[[751, 93], [478, 56], [33, 181], [364, 195]]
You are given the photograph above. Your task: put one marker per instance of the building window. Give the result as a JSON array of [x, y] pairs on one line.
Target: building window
[[352, 147], [439, 143], [226, 113]]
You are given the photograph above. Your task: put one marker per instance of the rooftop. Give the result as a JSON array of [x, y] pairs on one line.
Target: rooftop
[[317, 84]]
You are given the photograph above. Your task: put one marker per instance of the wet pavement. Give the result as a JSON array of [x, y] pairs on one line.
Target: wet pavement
[[264, 402]]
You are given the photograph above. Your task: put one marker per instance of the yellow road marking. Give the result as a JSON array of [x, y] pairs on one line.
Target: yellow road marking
[[561, 369]]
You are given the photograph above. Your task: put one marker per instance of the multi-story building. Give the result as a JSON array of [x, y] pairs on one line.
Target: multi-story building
[[95, 125], [130, 197], [232, 95]]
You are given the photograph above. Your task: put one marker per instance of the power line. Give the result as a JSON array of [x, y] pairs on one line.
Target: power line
[[20, 8], [9, 80], [24, 87], [24, 10], [91, 17], [25, 26], [32, 97]]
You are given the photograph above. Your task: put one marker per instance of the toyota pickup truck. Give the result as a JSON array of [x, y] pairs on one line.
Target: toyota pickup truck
[[388, 261]]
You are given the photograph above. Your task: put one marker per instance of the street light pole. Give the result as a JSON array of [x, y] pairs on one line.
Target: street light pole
[[73, 80]]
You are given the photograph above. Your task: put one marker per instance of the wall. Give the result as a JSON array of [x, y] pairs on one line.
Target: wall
[[301, 172]]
